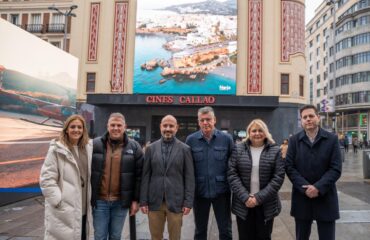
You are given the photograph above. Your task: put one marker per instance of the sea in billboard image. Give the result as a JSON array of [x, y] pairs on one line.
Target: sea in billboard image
[[38, 84], [186, 47]]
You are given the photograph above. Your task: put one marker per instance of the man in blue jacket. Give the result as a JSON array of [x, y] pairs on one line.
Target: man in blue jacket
[[313, 165], [211, 150]]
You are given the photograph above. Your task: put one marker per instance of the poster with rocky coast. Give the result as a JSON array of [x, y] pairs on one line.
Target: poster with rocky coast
[[187, 47]]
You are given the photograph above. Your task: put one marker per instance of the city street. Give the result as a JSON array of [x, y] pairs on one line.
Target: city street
[[24, 220]]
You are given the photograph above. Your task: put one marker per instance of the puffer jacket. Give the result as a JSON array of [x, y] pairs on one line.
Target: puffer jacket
[[59, 182], [271, 177], [130, 170]]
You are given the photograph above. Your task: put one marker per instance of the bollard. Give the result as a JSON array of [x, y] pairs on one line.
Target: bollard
[[366, 164], [132, 227]]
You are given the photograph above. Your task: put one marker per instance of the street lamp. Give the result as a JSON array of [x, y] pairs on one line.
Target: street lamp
[[332, 4], [66, 14]]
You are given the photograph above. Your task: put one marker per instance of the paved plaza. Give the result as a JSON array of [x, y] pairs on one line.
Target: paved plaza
[[24, 220]]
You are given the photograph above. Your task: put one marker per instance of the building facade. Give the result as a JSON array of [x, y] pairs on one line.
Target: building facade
[[347, 95], [35, 17], [265, 47]]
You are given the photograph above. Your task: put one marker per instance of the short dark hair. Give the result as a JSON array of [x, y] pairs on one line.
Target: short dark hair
[[308, 106]]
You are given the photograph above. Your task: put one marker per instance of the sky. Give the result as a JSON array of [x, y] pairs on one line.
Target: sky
[[311, 5]]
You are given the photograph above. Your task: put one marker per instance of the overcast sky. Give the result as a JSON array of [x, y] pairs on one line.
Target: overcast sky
[[311, 5]]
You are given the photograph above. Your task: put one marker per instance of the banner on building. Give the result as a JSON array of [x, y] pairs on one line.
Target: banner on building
[[38, 83]]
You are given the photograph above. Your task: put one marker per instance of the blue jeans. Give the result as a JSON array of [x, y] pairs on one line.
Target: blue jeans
[[222, 210], [108, 218]]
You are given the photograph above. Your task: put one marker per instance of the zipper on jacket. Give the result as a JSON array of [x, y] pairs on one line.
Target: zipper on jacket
[[110, 174]]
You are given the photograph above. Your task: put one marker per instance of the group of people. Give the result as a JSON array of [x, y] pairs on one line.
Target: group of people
[[104, 179]]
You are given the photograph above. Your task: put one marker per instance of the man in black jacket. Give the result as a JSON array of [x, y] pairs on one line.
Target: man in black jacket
[[167, 190], [115, 179], [313, 165]]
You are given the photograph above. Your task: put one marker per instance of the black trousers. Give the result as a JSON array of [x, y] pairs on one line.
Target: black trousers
[[326, 230], [222, 209], [254, 227], [83, 230]]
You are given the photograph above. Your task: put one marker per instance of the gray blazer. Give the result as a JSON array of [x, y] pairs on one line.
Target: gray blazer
[[175, 183]]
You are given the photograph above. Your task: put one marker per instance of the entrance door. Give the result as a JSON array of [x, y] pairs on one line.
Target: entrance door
[[187, 125]]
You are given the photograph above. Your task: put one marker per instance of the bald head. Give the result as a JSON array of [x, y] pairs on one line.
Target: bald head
[[170, 118], [168, 127]]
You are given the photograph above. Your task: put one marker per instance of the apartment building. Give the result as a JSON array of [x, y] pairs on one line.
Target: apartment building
[[340, 81], [35, 17]]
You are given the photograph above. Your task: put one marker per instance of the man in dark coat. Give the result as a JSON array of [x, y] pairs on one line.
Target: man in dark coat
[[168, 185], [115, 179], [313, 165]]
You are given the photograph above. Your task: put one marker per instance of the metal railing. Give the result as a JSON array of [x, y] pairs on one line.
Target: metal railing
[[55, 28]]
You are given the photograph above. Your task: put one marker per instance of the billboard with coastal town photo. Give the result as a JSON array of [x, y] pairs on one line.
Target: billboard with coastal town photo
[[186, 47], [38, 84]]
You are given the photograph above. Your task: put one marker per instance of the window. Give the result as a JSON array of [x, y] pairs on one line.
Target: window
[[318, 65], [284, 86], [317, 51], [311, 44], [310, 69], [36, 19], [324, 32], [318, 92], [325, 17], [318, 23], [57, 18], [310, 56], [325, 60], [318, 38], [310, 30], [301, 86], [318, 78], [14, 18], [57, 44], [90, 82]]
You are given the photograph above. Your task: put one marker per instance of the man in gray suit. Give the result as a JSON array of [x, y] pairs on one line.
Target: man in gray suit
[[168, 184]]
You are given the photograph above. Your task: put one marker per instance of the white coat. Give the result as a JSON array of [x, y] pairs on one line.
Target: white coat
[[61, 186]]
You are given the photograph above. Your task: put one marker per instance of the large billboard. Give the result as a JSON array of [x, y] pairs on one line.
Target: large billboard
[[37, 93], [186, 47]]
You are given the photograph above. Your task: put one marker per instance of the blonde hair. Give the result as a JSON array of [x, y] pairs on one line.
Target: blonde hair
[[63, 138], [264, 128]]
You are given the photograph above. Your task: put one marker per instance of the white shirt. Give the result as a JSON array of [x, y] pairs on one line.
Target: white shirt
[[255, 176]]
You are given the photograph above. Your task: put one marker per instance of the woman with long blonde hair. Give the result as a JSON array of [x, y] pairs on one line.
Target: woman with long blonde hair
[[65, 182], [256, 173]]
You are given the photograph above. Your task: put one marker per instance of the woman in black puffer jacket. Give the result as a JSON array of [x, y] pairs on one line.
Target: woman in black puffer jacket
[[256, 173]]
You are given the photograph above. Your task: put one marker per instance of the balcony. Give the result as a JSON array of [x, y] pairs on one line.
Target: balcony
[[35, 28], [55, 28]]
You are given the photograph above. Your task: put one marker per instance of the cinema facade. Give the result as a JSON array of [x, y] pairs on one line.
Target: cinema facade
[[147, 59]]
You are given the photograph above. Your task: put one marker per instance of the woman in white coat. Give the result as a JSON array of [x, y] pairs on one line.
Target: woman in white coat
[[65, 183]]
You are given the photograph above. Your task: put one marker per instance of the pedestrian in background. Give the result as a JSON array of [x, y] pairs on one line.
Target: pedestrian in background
[[167, 188], [65, 183], [355, 144], [313, 165], [284, 148], [256, 173], [115, 179], [211, 149], [346, 143]]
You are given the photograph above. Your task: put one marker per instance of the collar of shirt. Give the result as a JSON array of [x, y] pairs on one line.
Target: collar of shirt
[[210, 137], [312, 139]]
